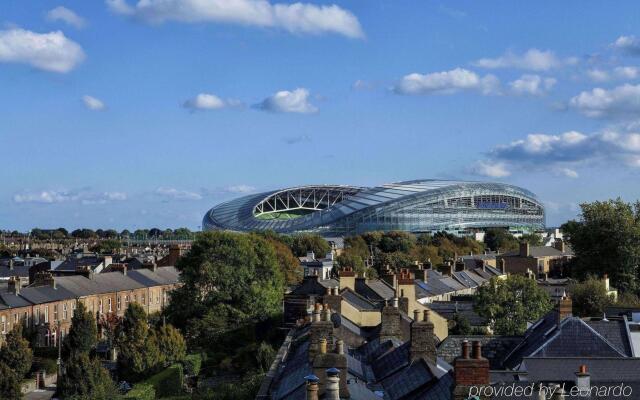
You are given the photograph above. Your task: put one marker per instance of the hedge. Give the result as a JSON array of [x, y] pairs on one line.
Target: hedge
[[192, 364], [141, 391], [168, 382]]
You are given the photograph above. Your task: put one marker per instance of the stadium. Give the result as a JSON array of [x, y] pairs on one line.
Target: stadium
[[415, 206]]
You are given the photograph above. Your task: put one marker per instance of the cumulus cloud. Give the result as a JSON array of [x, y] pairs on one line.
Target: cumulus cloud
[[619, 102], [362, 85], [205, 101], [294, 18], [67, 16], [618, 73], [491, 169], [447, 82], [563, 153], [628, 44], [169, 193], [240, 189], [67, 196], [51, 51], [534, 85], [93, 103], [532, 59], [295, 101]]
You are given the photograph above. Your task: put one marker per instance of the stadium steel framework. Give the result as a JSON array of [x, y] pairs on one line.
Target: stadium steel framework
[[413, 206]]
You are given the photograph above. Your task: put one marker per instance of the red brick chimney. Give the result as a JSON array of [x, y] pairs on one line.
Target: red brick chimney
[[565, 308], [470, 369]]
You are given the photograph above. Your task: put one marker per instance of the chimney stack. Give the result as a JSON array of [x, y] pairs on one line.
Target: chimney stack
[[470, 370], [321, 328], [312, 387], [406, 290], [423, 342], [44, 278], [524, 249], [347, 278], [558, 244], [333, 384], [14, 285], [390, 277], [390, 321], [583, 381], [565, 308]]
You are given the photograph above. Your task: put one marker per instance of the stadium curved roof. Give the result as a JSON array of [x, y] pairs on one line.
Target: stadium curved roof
[[419, 205]]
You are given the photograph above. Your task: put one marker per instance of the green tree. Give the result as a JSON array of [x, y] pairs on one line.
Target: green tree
[[533, 239], [171, 344], [305, 242], [397, 241], [85, 378], [138, 346], [9, 383], [83, 335], [500, 239], [15, 353], [590, 297], [606, 240], [289, 264], [461, 325], [510, 303]]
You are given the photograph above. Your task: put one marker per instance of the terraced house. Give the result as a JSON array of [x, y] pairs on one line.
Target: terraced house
[[47, 305]]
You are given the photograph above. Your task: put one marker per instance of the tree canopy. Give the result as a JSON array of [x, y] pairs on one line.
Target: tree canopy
[[510, 303], [590, 297], [606, 240]]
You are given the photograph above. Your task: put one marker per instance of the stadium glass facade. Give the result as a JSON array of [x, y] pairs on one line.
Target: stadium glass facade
[[413, 206]]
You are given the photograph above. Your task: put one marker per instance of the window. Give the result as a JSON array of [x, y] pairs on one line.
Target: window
[[55, 312], [46, 314], [26, 318], [110, 309], [16, 317], [119, 303], [100, 305], [3, 324], [135, 298], [157, 298], [36, 318], [64, 311], [143, 299]]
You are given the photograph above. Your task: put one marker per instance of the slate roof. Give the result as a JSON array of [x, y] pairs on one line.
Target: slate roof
[[73, 263], [18, 270], [448, 309], [540, 251], [358, 301], [573, 338], [600, 369], [375, 290], [45, 294]]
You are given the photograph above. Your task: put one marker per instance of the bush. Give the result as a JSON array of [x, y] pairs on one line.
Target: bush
[[141, 391], [192, 364], [50, 366], [168, 382]]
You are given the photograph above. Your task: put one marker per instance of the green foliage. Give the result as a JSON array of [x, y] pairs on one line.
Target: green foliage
[[510, 303], [49, 365], [15, 353], [501, 240], [107, 246], [288, 263], [246, 389], [83, 234], [9, 383], [590, 297], [305, 242], [138, 348], [606, 239], [461, 325], [83, 334], [265, 355], [229, 280], [397, 241], [192, 364], [168, 382], [85, 378], [533, 239], [171, 344], [141, 391]]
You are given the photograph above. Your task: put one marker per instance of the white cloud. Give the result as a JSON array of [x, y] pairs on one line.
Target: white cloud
[[627, 72], [93, 103], [620, 102], [447, 82], [176, 194], [295, 101], [563, 153], [628, 44], [568, 172], [240, 189], [598, 75], [207, 101], [491, 169], [51, 51], [295, 18], [362, 85], [66, 15], [68, 196], [534, 85], [532, 59]]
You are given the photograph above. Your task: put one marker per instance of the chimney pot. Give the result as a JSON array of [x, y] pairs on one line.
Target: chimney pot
[[426, 315], [416, 315], [465, 349], [477, 350], [340, 347], [323, 346]]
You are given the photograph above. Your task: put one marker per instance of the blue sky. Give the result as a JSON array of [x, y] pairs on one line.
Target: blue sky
[[133, 114]]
